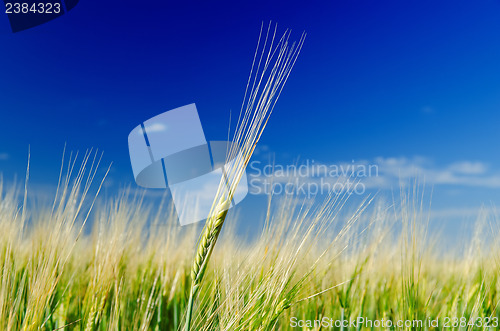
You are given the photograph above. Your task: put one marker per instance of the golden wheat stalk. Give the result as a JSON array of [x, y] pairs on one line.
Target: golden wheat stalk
[[272, 64]]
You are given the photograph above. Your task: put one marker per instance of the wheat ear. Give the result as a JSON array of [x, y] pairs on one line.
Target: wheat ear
[[272, 64]]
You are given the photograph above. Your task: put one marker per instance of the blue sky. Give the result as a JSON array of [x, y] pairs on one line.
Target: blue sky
[[403, 84]]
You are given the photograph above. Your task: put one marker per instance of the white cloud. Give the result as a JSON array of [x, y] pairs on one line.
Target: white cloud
[[466, 173], [469, 168], [4, 156], [156, 127], [385, 172]]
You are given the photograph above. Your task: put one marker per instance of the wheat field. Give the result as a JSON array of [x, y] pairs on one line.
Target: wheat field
[[126, 265]]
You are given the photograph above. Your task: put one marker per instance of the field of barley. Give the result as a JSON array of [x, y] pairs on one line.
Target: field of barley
[[126, 266]]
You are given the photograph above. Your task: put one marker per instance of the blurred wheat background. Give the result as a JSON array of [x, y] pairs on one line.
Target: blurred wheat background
[[126, 265]]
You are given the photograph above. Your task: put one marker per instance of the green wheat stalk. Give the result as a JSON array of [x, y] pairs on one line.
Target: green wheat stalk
[[273, 62]]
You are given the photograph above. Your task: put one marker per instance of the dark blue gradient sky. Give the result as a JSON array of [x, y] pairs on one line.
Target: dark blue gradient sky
[[404, 81]]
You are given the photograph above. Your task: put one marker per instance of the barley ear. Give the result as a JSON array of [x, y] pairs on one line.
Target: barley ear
[[273, 62]]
